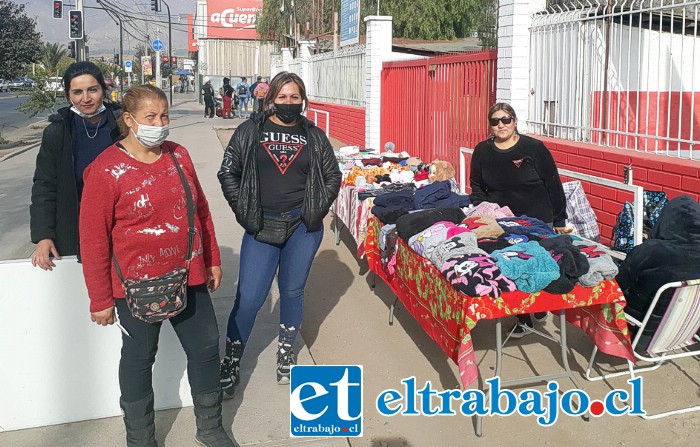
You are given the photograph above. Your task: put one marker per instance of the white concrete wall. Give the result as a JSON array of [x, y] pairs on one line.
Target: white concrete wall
[[512, 84], [378, 51], [57, 365]]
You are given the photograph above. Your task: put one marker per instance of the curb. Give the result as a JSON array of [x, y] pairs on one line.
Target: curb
[[19, 151]]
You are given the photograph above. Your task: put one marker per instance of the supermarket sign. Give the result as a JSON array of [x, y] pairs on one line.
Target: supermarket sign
[[233, 19]]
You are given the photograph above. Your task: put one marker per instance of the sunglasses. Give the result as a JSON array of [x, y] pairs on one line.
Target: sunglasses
[[504, 119]]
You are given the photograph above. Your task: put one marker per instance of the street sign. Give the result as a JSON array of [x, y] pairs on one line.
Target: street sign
[[128, 66], [349, 22], [157, 45]]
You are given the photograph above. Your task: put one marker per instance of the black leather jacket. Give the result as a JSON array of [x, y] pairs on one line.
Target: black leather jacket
[[240, 178]]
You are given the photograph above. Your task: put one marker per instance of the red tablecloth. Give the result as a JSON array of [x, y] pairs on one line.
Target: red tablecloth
[[448, 316]]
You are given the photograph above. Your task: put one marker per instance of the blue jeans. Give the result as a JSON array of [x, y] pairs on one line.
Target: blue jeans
[[258, 264], [243, 110]]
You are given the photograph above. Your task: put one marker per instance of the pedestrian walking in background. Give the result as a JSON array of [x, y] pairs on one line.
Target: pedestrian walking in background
[[519, 172], [243, 92], [208, 92], [227, 98], [255, 84], [259, 93], [279, 172], [145, 214], [75, 136]]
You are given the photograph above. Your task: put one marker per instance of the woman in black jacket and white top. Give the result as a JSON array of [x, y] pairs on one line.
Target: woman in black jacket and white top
[[75, 137], [277, 163]]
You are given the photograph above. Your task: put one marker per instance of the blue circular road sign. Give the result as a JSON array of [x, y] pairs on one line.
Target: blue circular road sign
[[127, 64], [157, 44]]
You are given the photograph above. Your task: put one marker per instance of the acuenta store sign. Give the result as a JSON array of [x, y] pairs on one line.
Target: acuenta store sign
[[233, 19]]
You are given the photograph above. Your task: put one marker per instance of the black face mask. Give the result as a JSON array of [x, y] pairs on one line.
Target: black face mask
[[288, 113]]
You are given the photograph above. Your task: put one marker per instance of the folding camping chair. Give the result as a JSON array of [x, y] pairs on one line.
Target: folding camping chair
[[677, 331]]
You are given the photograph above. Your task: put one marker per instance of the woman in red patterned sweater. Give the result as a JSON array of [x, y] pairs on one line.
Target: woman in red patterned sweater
[[135, 209]]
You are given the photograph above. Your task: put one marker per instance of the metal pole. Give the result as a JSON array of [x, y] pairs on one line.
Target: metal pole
[[121, 55], [80, 43], [170, 55]]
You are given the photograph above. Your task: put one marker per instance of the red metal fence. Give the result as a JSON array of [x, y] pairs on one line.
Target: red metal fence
[[431, 107]]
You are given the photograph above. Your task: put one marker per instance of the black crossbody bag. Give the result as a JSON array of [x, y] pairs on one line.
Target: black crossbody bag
[[156, 299]]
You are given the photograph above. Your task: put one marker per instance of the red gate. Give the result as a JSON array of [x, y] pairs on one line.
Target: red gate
[[431, 107]]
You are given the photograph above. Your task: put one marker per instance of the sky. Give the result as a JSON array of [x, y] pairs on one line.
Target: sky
[[103, 32]]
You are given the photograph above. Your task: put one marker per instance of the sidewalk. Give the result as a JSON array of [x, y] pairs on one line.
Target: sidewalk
[[346, 322], [259, 412]]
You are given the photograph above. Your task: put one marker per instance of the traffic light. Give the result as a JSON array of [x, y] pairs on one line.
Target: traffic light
[[164, 59], [71, 49], [76, 24], [173, 60], [155, 5], [116, 58], [58, 9]]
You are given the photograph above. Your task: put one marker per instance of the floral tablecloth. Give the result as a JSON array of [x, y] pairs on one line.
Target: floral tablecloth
[[354, 214], [448, 316]]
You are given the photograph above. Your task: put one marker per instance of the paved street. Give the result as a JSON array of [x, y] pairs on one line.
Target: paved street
[[15, 124]]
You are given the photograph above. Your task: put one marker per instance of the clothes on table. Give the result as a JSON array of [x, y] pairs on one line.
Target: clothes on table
[[524, 224], [489, 209], [476, 275], [491, 244], [418, 221], [403, 199], [385, 189], [388, 214], [483, 226], [601, 265], [572, 263], [461, 244], [439, 195], [425, 242], [529, 265]]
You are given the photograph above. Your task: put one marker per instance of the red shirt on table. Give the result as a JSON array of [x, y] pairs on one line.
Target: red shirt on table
[[142, 207]]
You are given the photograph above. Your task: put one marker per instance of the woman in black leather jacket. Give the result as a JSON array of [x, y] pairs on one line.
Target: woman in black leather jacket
[[278, 166]]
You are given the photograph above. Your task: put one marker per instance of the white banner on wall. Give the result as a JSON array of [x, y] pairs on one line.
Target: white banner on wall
[[57, 365]]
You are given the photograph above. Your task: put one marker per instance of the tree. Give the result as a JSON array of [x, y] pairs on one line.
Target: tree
[[51, 58], [21, 43], [433, 20]]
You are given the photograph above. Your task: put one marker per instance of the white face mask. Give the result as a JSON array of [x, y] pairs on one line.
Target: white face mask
[[75, 110], [150, 136]]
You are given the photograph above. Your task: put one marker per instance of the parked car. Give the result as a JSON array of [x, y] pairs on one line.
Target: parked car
[[54, 84], [17, 83], [22, 82], [4, 85]]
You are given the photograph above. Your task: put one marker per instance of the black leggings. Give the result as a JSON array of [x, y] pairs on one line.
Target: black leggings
[[199, 336]]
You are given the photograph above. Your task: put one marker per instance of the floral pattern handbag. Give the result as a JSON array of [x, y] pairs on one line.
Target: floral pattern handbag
[[153, 300]]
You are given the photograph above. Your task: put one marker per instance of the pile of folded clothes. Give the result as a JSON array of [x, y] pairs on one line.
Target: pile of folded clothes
[[481, 255]]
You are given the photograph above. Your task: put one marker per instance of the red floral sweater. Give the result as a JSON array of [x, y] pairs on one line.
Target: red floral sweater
[[142, 207]]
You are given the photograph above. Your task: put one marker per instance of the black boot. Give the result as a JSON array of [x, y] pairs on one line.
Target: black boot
[[207, 411], [139, 419], [285, 354], [231, 367]]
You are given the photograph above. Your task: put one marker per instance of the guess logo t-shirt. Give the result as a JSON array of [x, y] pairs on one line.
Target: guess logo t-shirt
[[283, 163]]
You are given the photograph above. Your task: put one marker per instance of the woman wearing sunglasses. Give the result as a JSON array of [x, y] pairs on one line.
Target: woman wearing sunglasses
[[517, 171]]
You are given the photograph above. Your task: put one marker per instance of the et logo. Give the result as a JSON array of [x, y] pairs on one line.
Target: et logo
[[325, 401]]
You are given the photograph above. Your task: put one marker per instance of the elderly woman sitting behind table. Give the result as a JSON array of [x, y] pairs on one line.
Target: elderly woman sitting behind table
[[517, 171]]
